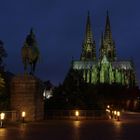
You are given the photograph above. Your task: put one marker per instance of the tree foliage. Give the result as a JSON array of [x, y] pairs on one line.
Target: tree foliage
[[3, 95], [3, 53], [75, 93]]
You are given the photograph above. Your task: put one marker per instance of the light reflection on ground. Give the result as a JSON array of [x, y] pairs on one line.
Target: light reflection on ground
[[125, 129], [117, 124], [23, 130], [77, 123], [2, 132], [76, 135]]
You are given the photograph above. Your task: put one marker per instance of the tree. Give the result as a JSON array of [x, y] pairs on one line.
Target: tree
[[2, 83], [3, 53], [3, 96]]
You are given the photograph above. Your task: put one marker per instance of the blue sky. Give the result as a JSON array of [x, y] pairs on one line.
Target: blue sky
[[59, 26]]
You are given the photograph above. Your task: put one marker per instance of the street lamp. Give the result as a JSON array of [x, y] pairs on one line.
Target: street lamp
[[77, 114], [115, 113], [109, 111], [118, 115], [2, 116], [23, 116], [108, 106]]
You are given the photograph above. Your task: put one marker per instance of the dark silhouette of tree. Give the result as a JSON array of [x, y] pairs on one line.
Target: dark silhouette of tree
[[75, 93], [3, 53], [48, 85]]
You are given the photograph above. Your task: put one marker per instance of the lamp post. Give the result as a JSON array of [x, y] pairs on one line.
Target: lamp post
[[23, 114], [115, 113], [77, 114], [2, 116], [118, 115], [108, 106]]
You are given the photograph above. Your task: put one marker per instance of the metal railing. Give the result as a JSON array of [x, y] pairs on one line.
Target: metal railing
[[10, 115], [71, 114]]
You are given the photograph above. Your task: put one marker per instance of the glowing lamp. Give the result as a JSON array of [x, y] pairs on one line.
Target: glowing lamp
[[2, 116], [118, 113], [23, 114], [108, 106], [115, 112], [76, 113]]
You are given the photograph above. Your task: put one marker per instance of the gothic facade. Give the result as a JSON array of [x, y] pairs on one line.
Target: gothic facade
[[106, 68]]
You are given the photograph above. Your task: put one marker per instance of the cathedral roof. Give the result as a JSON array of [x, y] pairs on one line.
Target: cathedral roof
[[126, 65], [84, 64]]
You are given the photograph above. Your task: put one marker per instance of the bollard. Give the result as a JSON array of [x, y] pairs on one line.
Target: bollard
[[115, 113], [23, 116], [118, 115], [2, 117], [77, 114]]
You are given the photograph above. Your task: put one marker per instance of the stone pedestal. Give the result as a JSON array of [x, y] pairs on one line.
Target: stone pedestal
[[27, 95]]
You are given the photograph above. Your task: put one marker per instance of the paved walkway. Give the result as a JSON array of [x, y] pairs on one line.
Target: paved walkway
[[127, 129]]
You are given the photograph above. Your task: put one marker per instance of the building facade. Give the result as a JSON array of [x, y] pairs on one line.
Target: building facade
[[106, 68]]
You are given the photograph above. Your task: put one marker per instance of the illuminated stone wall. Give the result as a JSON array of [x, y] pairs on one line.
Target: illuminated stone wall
[[27, 95]]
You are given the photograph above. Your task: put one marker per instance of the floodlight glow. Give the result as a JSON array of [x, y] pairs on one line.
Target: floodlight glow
[[23, 114], [76, 113], [118, 113], [2, 116]]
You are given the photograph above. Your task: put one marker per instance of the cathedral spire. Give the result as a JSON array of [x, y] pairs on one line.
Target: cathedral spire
[[108, 33], [88, 35], [102, 39], [88, 52], [107, 43]]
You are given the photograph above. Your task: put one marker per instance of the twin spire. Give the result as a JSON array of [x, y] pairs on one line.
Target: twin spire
[[89, 34], [89, 46], [108, 33]]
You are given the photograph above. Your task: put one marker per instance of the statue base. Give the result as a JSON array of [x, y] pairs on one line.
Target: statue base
[[27, 96]]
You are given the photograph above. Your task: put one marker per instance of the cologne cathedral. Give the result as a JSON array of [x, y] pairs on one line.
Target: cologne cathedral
[[106, 68]]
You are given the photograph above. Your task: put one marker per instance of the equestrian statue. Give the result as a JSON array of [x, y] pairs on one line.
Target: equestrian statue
[[30, 53]]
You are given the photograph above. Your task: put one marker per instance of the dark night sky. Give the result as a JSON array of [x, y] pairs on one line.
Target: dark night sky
[[60, 25]]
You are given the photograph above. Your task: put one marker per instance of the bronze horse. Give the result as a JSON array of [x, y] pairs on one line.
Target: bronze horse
[[30, 53]]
